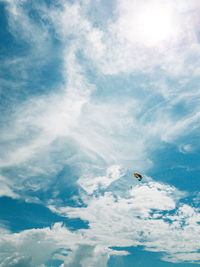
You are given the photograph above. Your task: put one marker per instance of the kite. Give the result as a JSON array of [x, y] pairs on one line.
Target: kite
[[138, 176]]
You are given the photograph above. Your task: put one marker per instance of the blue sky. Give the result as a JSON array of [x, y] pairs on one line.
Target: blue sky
[[90, 92]]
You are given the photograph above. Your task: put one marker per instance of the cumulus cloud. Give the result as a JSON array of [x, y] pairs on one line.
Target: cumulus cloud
[[150, 215], [138, 219]]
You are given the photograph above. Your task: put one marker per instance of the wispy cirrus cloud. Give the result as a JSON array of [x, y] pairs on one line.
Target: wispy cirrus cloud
[[52, 121], [7, 188], [123, 47]]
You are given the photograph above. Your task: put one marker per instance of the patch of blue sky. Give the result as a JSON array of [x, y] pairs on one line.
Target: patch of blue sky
[[178, 169], [19, 215], [55, 263], [139, 257], [63, 189]]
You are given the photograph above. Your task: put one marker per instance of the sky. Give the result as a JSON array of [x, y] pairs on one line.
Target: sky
[[90, 92]]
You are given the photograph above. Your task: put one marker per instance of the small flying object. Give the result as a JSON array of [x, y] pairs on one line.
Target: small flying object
[[138, 176]]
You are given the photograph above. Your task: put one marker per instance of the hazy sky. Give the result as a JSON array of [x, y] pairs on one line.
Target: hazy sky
[[90, 92]]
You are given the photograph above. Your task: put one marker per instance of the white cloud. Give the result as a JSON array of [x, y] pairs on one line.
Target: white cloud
[[16, 261], [122, 47], [91, 184], [69, 20], [49, 117], [149, 214], [100, 127], [169, 129], [186, 148], [7, 188], [137, 219], [187, 257], [20, 21]]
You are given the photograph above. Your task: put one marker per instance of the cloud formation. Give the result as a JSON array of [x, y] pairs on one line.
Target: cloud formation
[[151, 215], [121, 95]]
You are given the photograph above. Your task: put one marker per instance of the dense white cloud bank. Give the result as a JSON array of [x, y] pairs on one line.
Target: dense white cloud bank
[[149, 214]]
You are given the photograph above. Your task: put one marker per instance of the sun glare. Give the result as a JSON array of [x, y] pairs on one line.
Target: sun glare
[[155, 25]]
